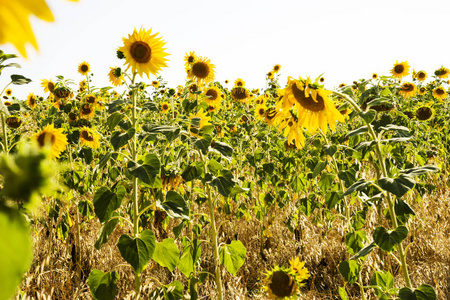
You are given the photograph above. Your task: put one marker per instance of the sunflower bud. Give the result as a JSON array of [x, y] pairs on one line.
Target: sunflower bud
[[120, 54]]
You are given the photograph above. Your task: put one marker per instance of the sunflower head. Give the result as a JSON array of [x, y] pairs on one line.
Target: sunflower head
[[89, 137], [280, 283], [421, 75], [239, 94], [48, 85], [299, 268], [62, 92], [202, 71], [422, 90], [144, 52], [374, 76], [190, 59], [442, 72], [239, 82], [53, 138], [424, 113], [439, 93], [116, 76], [31, 100], [8, 92], [13, 122], [400, 70], [276, 68], [84, 68], [87, 110], [408, 90], [270, 75], [165, 107], [260, 112], [213, 96]]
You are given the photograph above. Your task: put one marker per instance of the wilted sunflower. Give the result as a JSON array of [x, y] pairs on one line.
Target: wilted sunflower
[[408, 90], [189, 59], [89, 137], [84, 68], [165, 107], [276, 68], [442, 72], [144, 52], [281, 283], [13, 122], [213, 96], [424, 113], [439, 93], [87, 110], [52, 137], [31, 100], [73, 118], [62, 92], [202, 71], [421, 75], [314, 108], [239, 82], [116, 76], [400, 70], [239, 94], [48, 85]]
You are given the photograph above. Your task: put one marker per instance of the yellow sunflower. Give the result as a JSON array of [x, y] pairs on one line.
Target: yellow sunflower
[[276, 68], [48, 85], [8, 92], [213, 96], [239, 82], [51, 137], [91, 99], [374, 76], [314, 108], [7, 103], [422, 90], [408, 90], [281, 283], [270, 75], [260, 111], [155, 84], [204, 119], [240, 94], [442, 72], [144, 52], [202, 71], [271, 115], [424, 113], [87, 110], [84, 68], [31, 101], [421, 75], [400, 70], [189, 59], [116, 76], [291, 129], [89, 137], [165, 107], [439, 93], [299, 267]]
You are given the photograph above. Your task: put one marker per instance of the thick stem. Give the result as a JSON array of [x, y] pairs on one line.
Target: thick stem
[[5, 134]]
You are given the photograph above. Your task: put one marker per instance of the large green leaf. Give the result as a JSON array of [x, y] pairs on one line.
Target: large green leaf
[[223, 182], [171, 291], [137, 251], [232, 256], [148, 172], [384, 281], [423, 292], [222, 148], [105, 231], [350, 270], [319, 168], [107, 201], [167, 254], [421, 170], [368, 116], [355, 241], [203, 143], [191, 254], [175, 206], [192, 171], [387, 240], [397, 186], [114, 119], [15, 251], [360, 185], [19, 79], [358, 131], [170, 132], [120, 139], [103, 285]]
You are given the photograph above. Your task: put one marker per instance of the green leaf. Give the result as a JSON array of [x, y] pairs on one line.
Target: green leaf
[[232, 256], [400, 130], [360, 185], [15, 251], [364, 251], [384, 280], [170, 132], [148, 172], [191, 254], [319, 168], [171, 291], [355, 241], [222, 148], [332, 199], [175, 206], [330, 150], [358, 131], [102, 285], [387, 240], [348, 176], [107, 201], [397, 186], [104, 160], [114, 119], [368, 116], [137, 251], [193, 171], [421, 170], [403, 210], [120, 139], [167, 254], [343, 293], [299, 183], [207, 129], [105, 231], [19, 79], [350, 270], [214, 167], [423, 292], [203, 143], [86, 209], [223, 182]]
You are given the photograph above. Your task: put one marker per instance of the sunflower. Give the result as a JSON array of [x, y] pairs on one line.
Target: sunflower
[[261, 100], [7, 103], [219, 131], [270, 75], [281, 283], [276, 68], [442, 72], [189, 59], [422, 90], [165, 107], [13, 122], [314, 108], [260, 111], [439, 93], [424, 113], [239, 94], [84, 68], [271, 115], [89, 137], [299, 268], [213, 96], [226, 81], [91, 99], [144, 52], [239, 82], [408, 90], [50, 136], [48, 85], [400, 70], [8, 92], [202, 71], [116, 76], [62, 92], [31, 101], [291, 129], [87, 110], [421, 75], [374, 76], [204, 120], [73, 118], [155, 84]]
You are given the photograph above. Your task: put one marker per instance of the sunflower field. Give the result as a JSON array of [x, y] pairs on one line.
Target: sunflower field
[[215, 190]]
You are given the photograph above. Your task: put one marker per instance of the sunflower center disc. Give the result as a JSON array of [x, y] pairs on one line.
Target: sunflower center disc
[[440, 92], [308, 102], [212, 94], [86, 110], [424, 113], [408, 88], [46, 137], [141, 52], [84, 68], [200, 70], [239, 93], [87, 136], [282, 284], [399, 69]]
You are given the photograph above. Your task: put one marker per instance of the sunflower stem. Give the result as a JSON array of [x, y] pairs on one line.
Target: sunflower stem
[[5, 134]]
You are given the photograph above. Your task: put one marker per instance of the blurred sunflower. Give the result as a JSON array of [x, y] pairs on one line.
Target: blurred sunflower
[[271, 114], [8, 92], [299, 267], [155, 84], [7, 103], [408, 90], [165, 107], [52, 137], [31, 101], [213, 96], [84, 68], [276, 68], [89, 137], [442, 72], [189, 59], [91, 99], [281, 283], [421, 75], [400, 70], [87, 110], [424, 113], [72, 118], [115, 76], [144, 52], [204, 119], [269, 75], [239, 94], [13, 122], [422, 90], [48, 85], [202, 71], [239, 82], [374, 76], [439, 93]]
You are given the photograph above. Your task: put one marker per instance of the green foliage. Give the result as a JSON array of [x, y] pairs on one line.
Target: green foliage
[[103, 286], [137, 251]]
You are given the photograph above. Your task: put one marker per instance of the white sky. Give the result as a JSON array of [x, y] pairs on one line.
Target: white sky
[[344, 39]]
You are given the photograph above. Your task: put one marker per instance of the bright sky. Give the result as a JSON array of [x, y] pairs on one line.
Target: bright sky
[[344, 39]]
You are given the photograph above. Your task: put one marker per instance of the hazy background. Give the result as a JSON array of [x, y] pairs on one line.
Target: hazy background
[[344, 39]]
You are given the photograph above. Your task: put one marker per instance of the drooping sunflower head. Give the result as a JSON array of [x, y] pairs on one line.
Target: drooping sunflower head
[[421, 75], [202, 71], [240, 94], [165, 107], [442, 72], [48, 85], [400, 70], [213, 95], [116, 76], [89, 137], [280, 283], [276, 68], [144, 52], [62, 92], [84, 68], [87, 110], [13, 122], [189, 59], [239, 82], [439, 93], [73, 117], [53, 138], [31, 101], [424, 113], [408, 90]]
